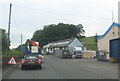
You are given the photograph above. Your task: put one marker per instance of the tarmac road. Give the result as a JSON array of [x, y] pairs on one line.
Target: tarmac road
[[56, 68]]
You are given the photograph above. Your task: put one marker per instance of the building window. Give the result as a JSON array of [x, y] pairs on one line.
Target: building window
[[51, 49], [113, 32]]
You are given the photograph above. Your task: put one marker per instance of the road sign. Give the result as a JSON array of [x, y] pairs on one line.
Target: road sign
[[12, 61]]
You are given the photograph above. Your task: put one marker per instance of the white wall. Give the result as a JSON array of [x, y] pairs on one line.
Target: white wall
[[103, 43], [75, 43]]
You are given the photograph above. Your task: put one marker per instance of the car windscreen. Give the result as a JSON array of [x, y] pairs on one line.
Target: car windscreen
[[31, 57], [78, 52]]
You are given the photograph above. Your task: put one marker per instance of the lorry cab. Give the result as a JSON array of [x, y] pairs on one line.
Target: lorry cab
[[78, 54]]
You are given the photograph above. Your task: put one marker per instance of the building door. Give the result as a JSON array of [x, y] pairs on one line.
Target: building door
[[115, 48]]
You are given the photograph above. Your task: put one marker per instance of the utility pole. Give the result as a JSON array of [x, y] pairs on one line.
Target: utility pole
[[96, 37], [119, 12], [112, 17], [21, 42], [9, 22]]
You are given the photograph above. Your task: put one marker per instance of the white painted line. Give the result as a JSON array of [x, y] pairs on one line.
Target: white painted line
[[19, 65], [8, 70]]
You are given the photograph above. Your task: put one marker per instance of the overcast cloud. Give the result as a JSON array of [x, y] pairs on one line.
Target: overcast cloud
[[31, 15]]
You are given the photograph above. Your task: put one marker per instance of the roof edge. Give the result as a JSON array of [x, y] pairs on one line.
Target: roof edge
[[113, 24]]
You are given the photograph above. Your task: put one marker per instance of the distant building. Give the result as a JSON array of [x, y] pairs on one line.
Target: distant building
[[108, 44], [66, 44]]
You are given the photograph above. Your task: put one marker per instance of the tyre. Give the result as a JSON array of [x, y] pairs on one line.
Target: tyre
[[41, 66], [22, 67]]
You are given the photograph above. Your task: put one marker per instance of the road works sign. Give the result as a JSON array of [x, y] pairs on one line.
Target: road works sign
[[12, 61]]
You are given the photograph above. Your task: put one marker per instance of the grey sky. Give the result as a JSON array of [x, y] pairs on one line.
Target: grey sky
[[31, 15]]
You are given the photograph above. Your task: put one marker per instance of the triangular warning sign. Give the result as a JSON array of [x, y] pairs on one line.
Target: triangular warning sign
[[12, 61]]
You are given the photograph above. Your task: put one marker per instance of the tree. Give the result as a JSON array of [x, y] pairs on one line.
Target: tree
[[60, 31], [4, 41], [82, 31], [95, 38], [19, 47]]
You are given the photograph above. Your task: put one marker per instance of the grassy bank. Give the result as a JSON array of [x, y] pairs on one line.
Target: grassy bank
[[12, 53], [89, 43]]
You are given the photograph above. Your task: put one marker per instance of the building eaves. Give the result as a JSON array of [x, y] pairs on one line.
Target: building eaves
[[113, 24], [61, 45]]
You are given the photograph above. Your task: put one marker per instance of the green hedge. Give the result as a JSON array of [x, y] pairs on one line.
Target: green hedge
[[13, 52]]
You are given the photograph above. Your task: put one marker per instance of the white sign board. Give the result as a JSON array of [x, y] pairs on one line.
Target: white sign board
[[34, 49], [101, 53]]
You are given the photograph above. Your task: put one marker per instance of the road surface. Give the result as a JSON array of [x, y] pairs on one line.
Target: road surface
[[56, 68]]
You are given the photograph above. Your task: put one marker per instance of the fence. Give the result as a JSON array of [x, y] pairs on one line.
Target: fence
[[62, 53], [58, 53]]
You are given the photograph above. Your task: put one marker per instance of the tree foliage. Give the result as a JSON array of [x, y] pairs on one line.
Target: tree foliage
[[3, 41], [19, 47], [60, 31]]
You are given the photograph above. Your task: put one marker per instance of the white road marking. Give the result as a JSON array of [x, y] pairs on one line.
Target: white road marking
[[19, 65], [8, 70]]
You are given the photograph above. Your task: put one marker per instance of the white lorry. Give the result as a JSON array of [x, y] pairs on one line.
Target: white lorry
[[77, 52]]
